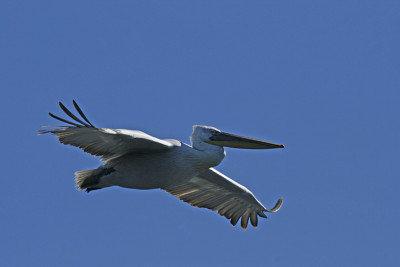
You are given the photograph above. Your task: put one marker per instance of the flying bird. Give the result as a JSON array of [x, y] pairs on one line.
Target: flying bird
[[134, 159]]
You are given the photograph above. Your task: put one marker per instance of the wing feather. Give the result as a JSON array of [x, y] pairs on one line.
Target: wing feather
[[213, 190], [81, 113], [104, 142], [69, 113], [245, 219]]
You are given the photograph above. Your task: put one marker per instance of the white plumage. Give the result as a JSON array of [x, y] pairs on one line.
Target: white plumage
[[134, 159]]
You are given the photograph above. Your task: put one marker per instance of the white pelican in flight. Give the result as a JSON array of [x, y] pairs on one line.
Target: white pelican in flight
[[134, 159]]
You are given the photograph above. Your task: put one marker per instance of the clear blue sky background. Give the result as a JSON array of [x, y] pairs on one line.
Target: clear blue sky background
[[321, 77]]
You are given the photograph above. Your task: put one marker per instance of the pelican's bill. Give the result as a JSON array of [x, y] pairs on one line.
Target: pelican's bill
[[236, 141]]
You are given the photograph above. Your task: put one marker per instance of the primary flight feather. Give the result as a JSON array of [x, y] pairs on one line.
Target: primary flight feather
[[134, 159]]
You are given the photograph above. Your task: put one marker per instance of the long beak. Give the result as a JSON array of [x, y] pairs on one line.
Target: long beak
[[236, 141]]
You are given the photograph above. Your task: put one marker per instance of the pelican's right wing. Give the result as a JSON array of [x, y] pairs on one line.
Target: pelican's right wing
[[104, 142], [213, 190]]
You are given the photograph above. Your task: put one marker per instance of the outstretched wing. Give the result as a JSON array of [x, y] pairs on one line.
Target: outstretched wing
[[213, 190], [104, 142]]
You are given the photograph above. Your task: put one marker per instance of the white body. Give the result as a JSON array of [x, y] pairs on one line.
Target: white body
[[160, 170], [134, 159]]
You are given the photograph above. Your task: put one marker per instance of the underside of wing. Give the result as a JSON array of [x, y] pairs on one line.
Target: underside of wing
[[104, 142], [213, 190]]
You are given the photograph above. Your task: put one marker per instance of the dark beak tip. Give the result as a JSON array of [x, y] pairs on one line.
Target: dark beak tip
[[282, 146]]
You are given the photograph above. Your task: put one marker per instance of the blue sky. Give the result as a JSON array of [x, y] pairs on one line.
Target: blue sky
[[321, 77]]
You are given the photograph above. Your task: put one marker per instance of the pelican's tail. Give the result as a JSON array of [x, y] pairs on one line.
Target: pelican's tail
[[90, 179]]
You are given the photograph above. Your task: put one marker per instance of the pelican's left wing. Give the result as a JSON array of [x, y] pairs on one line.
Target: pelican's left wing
[[104, 142], [213, 190]]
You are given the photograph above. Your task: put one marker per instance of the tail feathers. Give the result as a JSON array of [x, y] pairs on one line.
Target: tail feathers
[[86, 178]]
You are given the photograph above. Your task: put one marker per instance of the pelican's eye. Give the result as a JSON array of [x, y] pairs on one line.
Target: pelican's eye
[[214, 133]]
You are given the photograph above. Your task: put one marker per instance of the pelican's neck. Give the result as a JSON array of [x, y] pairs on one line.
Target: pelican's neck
[[211, 155]]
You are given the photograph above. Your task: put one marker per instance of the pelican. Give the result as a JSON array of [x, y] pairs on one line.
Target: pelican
[[134, 159]]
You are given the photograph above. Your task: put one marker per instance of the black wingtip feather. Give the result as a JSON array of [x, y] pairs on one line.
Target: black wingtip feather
[[234, 220], [71, 115], [81, 112], [277, 206], [69, 122]]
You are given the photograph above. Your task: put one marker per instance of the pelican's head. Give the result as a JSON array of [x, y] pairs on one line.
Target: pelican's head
[[213, 136]]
